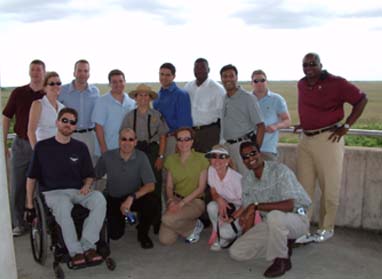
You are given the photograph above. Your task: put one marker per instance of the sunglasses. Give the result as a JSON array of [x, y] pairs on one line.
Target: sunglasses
[[248, 155], [217, 156], [309, 64], [259, 80], [66, 121], [187, 139], [58, 83], [127, 139]]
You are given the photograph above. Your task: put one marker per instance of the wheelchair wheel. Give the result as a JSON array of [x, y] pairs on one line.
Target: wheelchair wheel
[[38, 233]]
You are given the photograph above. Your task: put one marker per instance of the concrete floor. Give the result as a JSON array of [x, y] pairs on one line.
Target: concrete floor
[[349, 254]]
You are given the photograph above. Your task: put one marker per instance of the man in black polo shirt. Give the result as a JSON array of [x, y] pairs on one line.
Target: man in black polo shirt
[[130, 185]]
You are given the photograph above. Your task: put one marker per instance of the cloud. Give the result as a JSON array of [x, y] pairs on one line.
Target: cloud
[[272, 14], [375, 13], [41, 10], [166, 13]]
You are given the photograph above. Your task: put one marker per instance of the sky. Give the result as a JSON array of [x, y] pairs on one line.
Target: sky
[[137, 36]]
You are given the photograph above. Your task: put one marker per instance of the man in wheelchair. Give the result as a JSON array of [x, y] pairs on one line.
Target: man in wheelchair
[[63, 168]]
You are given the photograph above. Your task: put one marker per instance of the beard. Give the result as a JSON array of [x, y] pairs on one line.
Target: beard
[[67, 132]]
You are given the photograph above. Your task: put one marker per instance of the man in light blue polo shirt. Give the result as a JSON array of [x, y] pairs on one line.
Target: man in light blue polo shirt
[[109, 112], [275, 113], [82, 97]]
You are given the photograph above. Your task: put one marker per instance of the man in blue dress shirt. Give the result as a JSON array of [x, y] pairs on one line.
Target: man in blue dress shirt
[[173, 103], [82, 97]]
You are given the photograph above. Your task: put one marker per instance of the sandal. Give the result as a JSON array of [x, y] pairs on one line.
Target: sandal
[[92, 256], [78, 260]]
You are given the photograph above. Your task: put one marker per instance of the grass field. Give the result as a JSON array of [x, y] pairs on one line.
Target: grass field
[[371, 119]]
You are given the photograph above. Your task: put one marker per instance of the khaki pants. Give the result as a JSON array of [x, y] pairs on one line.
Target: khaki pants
[[269, 238], [319, 158], [180, 223]]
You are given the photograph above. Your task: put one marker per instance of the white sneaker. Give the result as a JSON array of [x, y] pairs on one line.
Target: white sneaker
[[18, 231], [215, 246], [195, 235], [305, 239], [323, 235]]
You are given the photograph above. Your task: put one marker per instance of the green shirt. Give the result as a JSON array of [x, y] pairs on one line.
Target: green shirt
[[185, 176]]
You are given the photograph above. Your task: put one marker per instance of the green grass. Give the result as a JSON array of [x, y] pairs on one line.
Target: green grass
[[371, 118]]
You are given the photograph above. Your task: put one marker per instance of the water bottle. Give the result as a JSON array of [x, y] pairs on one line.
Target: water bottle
[[130, 217]]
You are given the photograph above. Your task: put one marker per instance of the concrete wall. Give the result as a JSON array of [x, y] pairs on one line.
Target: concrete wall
[[361, 189]]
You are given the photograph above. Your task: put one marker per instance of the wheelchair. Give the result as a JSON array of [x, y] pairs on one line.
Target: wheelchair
[[44, 228]]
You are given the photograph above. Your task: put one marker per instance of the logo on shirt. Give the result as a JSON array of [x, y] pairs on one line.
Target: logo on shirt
[[74, 158]]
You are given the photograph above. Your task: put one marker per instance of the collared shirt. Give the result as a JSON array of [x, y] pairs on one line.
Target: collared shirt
[[124, 177], [241, 114], [322, 104], [108, 113], [206, 101], [277, 183], [19, 104], [158, 126], [82, 101], [174, 104], [185, 176], [229, 188], [271, 105]]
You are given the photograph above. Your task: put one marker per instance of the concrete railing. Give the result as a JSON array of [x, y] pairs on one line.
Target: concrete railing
[[361, 188]]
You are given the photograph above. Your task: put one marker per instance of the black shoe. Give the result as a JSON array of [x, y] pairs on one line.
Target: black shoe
[[146, 242], [278, 268], [156, 228]]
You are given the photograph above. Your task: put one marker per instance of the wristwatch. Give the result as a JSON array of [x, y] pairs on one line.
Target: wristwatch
[[347, 126], [256, 205], [160, 156]]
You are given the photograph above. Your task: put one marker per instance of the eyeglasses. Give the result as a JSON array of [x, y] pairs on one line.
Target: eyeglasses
[[58, 83], [127, 139], [248, 155], [217, 156], [187, 139], [259, 80], [66, 121], [309, 64]]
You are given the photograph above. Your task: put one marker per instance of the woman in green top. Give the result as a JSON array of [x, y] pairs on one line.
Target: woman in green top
[[186, 181]]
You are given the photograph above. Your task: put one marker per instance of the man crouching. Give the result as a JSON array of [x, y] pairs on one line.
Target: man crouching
[[272, 189]]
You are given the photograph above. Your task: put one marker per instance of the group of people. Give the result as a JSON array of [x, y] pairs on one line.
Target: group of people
[[206, 133]]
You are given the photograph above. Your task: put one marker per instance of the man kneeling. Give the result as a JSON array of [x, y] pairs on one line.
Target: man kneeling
[[271, 188], [63, 168]]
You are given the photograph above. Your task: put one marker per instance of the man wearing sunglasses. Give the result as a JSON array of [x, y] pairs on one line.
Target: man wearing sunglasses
[[130, 186], [18, 105], [242, 118], [320, 152], [273, 189], [275, 112], [63, 168]]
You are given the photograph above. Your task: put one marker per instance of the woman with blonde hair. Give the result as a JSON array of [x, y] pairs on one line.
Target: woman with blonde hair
[[225, 187], [43, 112]]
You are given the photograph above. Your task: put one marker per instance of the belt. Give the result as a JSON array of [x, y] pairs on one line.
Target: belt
[[206, 126], [181, 197], [317, 132], [84, 130]]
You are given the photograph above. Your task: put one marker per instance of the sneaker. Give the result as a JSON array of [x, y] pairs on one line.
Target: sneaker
[[306, 239], [215, 246], [194, 237], [323, 235], [18, 231]]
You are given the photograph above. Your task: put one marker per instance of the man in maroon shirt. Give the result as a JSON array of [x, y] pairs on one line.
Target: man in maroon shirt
[[18, 105], [320, 152]]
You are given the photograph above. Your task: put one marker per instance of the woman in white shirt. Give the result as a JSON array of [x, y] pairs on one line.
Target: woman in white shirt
[[225, 186], [43, 112]]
